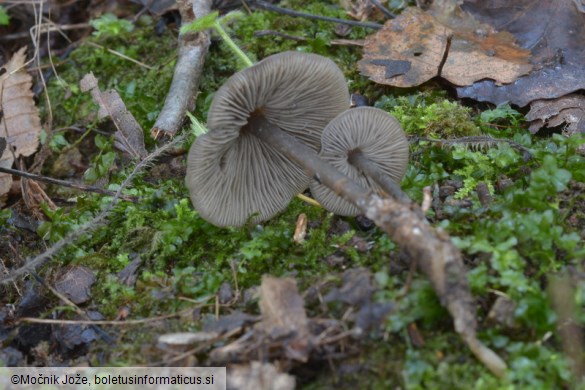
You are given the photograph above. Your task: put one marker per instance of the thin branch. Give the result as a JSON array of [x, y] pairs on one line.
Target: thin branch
[[64, 183], [192, 51], [47, 27], [113, 323], [117, 53], [285, 11], [99, 219]]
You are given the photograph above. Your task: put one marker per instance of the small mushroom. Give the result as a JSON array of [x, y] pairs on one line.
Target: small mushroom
[[233, 177], [367, 145]]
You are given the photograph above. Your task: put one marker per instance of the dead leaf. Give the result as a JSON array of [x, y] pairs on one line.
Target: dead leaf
[[34, 196], [71, 338], [356, 290], [553, 30], [361, 10], [229, 322], [76, 284], [129, 274], [417, 46], [284, 316], [129, 138], [5, 179], [371, 315], [568, 110], [20, 124], [258, 376], [502, 313]]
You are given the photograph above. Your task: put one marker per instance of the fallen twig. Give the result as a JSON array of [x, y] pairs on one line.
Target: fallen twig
[[192, 51], [64, 183]]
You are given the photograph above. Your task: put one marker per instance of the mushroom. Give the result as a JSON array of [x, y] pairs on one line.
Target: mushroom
[[266, 122], [367, 145], [233, 176]]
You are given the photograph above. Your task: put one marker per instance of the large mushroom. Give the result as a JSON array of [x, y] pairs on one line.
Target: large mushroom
[[234, 177], [367, 145]]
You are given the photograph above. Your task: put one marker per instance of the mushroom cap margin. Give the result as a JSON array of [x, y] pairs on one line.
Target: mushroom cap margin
[[378, 135]]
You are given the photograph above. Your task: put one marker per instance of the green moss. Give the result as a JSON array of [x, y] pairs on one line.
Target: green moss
[[430, 116]]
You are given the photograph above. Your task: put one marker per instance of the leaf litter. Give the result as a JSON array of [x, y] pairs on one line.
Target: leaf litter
[[129, 137], [492, 51], [20, 123], [285, 335], [445, 42], [554, 32]]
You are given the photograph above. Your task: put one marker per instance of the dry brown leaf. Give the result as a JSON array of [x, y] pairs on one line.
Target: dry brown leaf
[[76, 284], [283, 315], [5, 179], [554, 31], [34, 196], [20, 124], [129, 138], [417, 46], [568, 110]]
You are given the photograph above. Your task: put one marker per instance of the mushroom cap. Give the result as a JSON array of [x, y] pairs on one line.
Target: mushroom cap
[[378, 135], [234, 177]]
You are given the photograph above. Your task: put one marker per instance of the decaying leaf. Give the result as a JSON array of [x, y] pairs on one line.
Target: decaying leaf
[[554, 31], [20, 124], [568, 110], [5, 179], [129, 138], [356, 290], [76, 284], [361, 9], [258, 376], [417, 46], [34, 196], [230, 322], [283, 315], [502, 313]]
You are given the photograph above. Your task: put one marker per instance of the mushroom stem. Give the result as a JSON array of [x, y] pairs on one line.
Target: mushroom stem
[[309, 160], [361, 162], [435, 254]]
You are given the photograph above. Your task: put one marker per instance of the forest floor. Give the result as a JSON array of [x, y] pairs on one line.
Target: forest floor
[[514, 207]]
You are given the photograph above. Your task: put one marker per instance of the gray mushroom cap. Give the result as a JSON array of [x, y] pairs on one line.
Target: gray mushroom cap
[[232, 176], [378, 135]]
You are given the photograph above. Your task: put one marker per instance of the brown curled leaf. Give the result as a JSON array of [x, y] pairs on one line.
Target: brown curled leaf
[[129, 138], [20, 124]]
